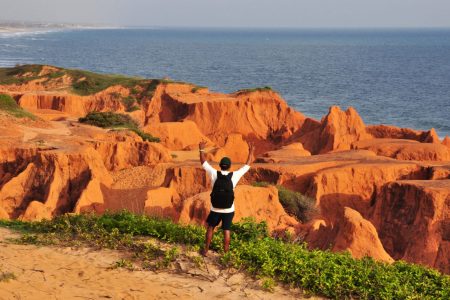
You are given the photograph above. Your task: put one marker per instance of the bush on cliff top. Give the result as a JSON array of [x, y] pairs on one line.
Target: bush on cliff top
[[9, 105], [301, 206], [114, 120], [109, 120], [257, 89], [296, 204], [335, 275]]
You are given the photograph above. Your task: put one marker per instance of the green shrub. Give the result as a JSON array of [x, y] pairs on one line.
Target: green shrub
[[196, 88], [109, 120], [334, 275], [115, 120], [296, 204], [268, 284], [88, 83], [146, 137], [249, 230], [55, 75], [260, 183], [16, 75], [9, 105], [122, 263], [128, 102], [133, 108], [257, 89]]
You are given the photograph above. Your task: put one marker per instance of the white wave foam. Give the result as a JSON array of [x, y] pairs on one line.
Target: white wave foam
[[24, 33]]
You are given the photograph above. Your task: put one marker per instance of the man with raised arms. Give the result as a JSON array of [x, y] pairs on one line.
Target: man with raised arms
[[222, 195]]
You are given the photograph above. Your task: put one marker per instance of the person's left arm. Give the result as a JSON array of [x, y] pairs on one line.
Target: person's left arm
[[251, 150], [244, 169]]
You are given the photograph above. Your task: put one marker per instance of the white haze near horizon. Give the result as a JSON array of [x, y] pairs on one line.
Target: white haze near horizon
[[233, 13]]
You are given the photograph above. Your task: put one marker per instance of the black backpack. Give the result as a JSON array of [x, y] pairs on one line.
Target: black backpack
[[222, 195]]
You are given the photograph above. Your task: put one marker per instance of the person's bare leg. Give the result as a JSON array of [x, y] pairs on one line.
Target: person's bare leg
[[226, 240], [208, 238]]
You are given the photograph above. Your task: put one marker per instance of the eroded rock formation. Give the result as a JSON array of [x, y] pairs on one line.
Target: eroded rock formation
[[382, 191], [413, 221]]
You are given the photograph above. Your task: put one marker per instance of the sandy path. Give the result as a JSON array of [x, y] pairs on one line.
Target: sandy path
[[65, 273], [58, 129]]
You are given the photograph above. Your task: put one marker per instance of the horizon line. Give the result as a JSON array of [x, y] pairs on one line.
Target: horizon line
[[122, 26]]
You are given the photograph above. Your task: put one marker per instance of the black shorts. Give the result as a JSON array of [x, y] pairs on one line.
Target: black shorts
[[214, 219]]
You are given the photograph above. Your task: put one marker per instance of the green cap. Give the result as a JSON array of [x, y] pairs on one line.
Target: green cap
[[225, 161]]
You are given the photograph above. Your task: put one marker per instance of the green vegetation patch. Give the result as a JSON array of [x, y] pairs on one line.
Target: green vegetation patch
[[115, 120], [337, 275], [109, 120], [130, 103], [334, 275], [88, 83], [197, 88], [19, 74], [295, 203], [257, 89], [301, 206], [10, 106], [84, 82]]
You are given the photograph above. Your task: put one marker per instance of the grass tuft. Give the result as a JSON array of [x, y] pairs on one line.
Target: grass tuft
[[88, 83], [296, 204], [9, 105], [197, 88], [257, 89], [115, 120], [7, 276]]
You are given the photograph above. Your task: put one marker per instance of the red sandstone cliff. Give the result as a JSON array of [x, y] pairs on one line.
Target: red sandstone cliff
[[382, 191], [413, 221], [261, 116]]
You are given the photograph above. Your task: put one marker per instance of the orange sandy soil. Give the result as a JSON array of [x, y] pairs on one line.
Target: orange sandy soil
[[83, 273]]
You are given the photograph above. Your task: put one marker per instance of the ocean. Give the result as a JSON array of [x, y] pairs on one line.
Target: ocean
[[391, 76]]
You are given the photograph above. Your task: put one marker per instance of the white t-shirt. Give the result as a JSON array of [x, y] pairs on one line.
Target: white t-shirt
[[237, 175]]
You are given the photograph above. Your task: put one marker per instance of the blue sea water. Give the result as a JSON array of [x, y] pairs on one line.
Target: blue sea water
[[398, 77]]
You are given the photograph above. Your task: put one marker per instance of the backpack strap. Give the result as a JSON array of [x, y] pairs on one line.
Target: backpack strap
[[229, 175]]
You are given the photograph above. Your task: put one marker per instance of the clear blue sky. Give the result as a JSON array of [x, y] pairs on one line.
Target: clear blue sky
[[234, 13]]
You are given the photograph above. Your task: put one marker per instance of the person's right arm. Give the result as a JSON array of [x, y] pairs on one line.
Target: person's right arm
[[237, 175], [201, 149]]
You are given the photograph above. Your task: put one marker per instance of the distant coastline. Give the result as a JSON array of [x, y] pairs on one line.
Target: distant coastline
[[19, 28]]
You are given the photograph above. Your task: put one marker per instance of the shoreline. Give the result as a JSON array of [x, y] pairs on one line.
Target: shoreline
[[9, 31]]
